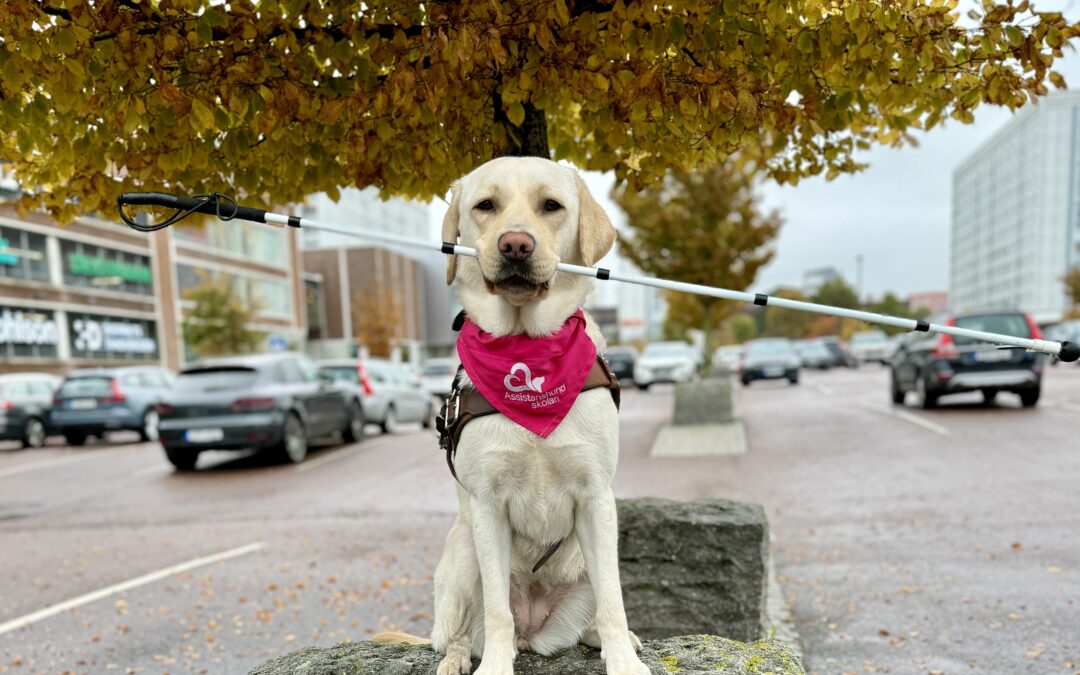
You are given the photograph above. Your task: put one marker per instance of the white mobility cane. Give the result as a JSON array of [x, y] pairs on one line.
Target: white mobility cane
[[227, 209]]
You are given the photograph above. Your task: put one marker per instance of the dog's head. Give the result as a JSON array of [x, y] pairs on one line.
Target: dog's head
[[524, 215]]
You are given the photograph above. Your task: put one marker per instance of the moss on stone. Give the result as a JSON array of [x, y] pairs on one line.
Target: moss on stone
[[687, 655]]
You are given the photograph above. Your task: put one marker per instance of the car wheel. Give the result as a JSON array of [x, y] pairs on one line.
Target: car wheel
[[429, 416], [354, 429], [183, 460], [926, 399], [793, 380], [1030, 397], [149, 430], [745, 382], [293, 446], [390, 424], [898, 394], [75, 438], [988, 396], [33, 433], [643, 386]]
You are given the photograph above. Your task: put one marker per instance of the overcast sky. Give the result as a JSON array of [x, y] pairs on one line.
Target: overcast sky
[[895, 213]]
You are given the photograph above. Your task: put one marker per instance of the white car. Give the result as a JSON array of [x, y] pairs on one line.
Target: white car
[[665, 362], [437, 376], [871, 345], [728, 357]]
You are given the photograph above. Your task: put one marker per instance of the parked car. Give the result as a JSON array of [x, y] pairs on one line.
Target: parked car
[[814, 354], [25, 403], [91, 402], [437, 376], [621, 359], [665, 362], [770, 359], [390, 394], [934, 365], [277, 402], [728, 358], [870, 345], [842, 358]]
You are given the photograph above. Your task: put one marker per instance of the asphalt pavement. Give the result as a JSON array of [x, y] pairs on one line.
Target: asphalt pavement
[[905, 541]]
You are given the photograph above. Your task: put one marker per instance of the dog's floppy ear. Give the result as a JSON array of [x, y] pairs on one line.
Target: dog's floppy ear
[[450, 226], [596, 234]]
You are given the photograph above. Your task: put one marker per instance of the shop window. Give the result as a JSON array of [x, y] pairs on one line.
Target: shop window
[[89, 266], [22, 255]]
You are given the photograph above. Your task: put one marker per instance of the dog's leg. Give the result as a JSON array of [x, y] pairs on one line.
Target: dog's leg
[[491, 534], [598, 534], [456, 580], [563, 627], [591, 638]]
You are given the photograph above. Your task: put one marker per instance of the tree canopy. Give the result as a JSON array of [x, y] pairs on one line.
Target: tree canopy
[[282, 98]]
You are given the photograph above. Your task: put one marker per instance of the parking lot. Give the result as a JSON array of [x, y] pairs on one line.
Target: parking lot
[[906, 541]]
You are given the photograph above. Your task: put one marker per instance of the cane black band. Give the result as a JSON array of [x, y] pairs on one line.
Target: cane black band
[[922, 326], [447, 248], [603, 274], [761, 299], [294, 221]]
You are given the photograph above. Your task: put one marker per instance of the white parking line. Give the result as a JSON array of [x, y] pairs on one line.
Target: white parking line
[[60, 461], [87, 598], [907, 417]]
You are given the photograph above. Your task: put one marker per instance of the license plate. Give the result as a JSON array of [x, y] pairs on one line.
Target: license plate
[[82, 404], [774, 372], [203, 435], [993, 356]]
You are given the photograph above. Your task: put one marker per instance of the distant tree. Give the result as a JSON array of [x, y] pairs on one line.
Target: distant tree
[[837, 293], [743, 328], [701, 228], [1072, 286], [218, 323], [375, 319], [789, 323]]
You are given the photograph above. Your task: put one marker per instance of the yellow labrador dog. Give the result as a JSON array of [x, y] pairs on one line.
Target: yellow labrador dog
[[519, 492]]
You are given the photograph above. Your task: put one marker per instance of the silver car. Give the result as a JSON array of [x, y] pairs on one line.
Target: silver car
[[391, 395], [665, 362]]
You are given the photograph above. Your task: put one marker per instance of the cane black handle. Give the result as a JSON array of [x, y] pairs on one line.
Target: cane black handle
[[200, 205], [1070, 351]]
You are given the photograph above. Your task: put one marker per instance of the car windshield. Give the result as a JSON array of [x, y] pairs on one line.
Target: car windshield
[[216, 379], [667, 349], [342, 373], [811, 348], [769, 348], [1007, 324], [871, 337], [437, 370], [86, 386]]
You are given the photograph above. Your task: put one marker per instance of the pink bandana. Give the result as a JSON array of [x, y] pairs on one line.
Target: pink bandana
[[533, 381]]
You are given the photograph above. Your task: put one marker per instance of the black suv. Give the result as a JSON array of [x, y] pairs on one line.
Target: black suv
[[933, 365]]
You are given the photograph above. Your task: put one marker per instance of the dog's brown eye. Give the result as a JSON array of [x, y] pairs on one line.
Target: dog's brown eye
[[551, 205], [485, 205]]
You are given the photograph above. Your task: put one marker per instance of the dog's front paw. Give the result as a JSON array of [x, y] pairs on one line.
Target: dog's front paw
[[491, 667], [626, 665], [455, 664], [635, 642]]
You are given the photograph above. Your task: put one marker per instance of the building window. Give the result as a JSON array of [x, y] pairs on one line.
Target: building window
[[248, 240], [269, 295], [28, 333], [90, 266], [22, 255]]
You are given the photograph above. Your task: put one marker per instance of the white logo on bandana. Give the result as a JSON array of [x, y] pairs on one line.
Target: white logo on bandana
[[530, 384]]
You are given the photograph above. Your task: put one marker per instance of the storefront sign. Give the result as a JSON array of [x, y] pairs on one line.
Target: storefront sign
[[27, 327], [93, 336], [89, 266]]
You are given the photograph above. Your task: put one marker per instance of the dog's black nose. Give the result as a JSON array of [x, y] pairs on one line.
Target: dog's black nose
[[516, 246]]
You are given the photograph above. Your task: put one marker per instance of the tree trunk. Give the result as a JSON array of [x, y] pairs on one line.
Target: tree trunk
[[528, 140], [706, 314]]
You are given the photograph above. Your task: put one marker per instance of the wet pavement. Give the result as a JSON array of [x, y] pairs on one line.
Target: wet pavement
[[905, 541]]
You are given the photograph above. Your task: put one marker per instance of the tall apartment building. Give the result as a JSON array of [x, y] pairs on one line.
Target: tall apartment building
[[1015, 221]]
